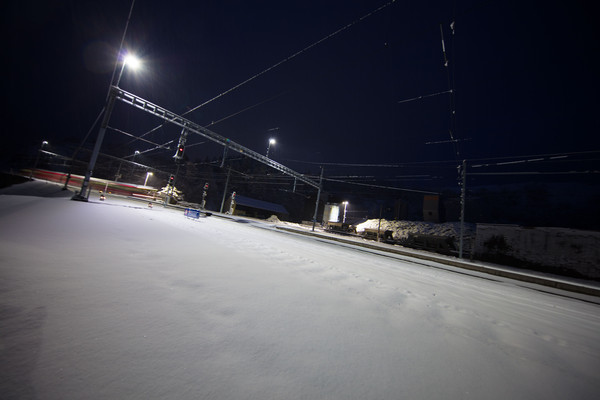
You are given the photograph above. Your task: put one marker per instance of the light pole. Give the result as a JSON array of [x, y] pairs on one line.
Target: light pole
[[37, 159], [148, 174], [84, 191], [345, 203], [132, 170], [272, 141]]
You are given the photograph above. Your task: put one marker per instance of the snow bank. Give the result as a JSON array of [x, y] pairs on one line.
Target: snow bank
[[401, 229], [273, 219]]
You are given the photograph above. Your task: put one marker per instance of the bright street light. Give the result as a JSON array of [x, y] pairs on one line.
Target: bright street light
[[272, 141], [132, 62], [148, 174], [83, 193]]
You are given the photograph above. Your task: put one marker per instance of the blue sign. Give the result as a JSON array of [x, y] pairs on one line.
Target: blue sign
[[191, 213]]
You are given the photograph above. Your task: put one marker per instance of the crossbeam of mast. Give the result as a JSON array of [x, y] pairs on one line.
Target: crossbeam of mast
[[138, 102]]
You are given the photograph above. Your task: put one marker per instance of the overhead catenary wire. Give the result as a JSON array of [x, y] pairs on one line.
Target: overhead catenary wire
[[245, 109], [283, 61], [451, 88], [380, 186], [548, 156], [112, 78], [448, 141], [589, 172], [345, 27], [107, 93], [139, 138], [424, 96]]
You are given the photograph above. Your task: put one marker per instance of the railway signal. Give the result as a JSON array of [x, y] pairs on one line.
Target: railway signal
[[179, 154], [204, 195]]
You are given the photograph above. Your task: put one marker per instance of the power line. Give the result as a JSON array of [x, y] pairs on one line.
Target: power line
[[245, 109], [139, 138], [549, 156], [347, 26], [379, 186], [425, 96], [537, 173]]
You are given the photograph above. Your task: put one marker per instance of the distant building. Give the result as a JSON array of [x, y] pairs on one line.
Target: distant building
[[431, 208], [255, 208], [400, 210], [332, 212]]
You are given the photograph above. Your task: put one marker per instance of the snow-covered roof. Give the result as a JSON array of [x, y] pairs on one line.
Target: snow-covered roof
[[260, 204]]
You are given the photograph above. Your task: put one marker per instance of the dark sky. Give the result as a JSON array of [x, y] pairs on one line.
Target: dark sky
[[524, 75]]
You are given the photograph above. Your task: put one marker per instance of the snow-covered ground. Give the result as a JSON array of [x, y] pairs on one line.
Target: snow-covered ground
[[113, 300]]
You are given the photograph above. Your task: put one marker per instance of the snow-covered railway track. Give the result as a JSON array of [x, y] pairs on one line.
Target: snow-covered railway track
[[482, 271]]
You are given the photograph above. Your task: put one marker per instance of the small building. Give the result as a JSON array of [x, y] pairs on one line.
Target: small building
[[431, 208], [331, 213], [254, 208]]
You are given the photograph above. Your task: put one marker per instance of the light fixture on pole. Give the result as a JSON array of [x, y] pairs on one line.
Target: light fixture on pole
[[148, 174], [132, 62], [272, 141], [110, 103], [37, 159]]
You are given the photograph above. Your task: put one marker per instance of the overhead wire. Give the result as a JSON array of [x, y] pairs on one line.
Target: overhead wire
[[380, 186], [549, 156], [245, 109], [345, 27], [112, 78], [294, 55], [452, 127], [589, 172], [424, 96], [137, 138], [108, 92]]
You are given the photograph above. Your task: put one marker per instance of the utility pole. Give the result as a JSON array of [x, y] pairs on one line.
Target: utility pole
[[84, 191], [463, 195], [204, 194], [225, 191], [379, 225], [171, 187], [110, 103], [37, 159], [318, 198]]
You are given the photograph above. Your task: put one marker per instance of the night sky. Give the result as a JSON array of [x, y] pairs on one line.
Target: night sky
[[524, 77]]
